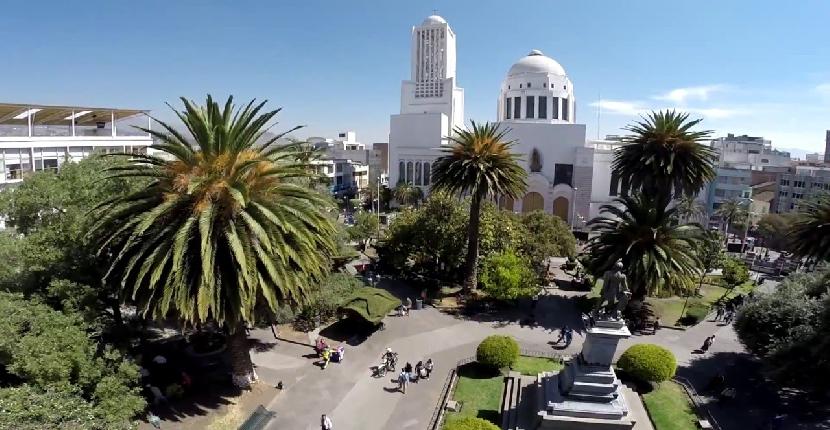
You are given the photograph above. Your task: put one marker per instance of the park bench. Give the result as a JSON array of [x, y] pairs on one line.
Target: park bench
[[258, 419]]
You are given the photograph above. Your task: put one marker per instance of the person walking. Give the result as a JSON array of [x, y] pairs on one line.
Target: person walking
[[707, 343], [325, 423], [428, 367], [403, 381], [569, 336], [408, 369], [718, 312], [408, 305], [418, 369]]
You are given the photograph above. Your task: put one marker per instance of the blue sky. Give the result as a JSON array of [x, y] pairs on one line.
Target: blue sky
[[757, 67]]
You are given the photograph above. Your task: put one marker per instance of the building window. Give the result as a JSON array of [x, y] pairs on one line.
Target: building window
[[563, 174], [508, 87], [517, 107], [565, 108], [508, 107], [417, 173], [409, 171], [339, 180], [785, 182], [555, 108], [544, 85], [543, 107], [785, 194], [720, 192], [528, 84], [615, 184], [529, 114], [401, 171], [798, 184], [765, 160], [427, 173], [520, 86]]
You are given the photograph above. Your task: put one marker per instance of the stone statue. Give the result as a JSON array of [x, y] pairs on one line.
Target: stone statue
[[615, 293]]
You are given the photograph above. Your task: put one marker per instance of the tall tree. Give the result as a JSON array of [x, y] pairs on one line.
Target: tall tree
[[656, 251], [810, 230], [732, 211], [664, 158], [689, 209], [478, 162], [223, 229], [407, 194]]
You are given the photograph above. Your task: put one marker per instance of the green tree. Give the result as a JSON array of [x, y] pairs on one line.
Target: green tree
[[407, 194], [735, 272], [49, 215], [689, 209], [664, 158], [774, 229], [810, 229], [223, 229], [64, 376], [545, 235], [365, 226], [789, 330], [656, 251], [505, 276], [732, 211], [479, 162]]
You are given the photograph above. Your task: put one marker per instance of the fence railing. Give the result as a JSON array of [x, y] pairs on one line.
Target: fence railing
[[701, 409]]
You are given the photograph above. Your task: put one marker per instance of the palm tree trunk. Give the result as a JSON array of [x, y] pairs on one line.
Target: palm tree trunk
[[242, 367], [471, 276]]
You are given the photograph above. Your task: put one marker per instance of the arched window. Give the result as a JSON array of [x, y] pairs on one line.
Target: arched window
[[427, 173], [417, 173], [401, 171], [408, 171]]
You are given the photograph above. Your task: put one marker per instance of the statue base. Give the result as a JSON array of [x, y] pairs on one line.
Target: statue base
[[586, 394]]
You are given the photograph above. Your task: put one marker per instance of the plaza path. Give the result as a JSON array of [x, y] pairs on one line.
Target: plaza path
[[354, 400]]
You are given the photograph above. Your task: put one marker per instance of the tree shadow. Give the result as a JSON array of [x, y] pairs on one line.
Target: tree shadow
[[259, 345], [758, 400], [551, 313], [350, 331]]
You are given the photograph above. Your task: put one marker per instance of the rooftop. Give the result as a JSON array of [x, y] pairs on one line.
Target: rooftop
[[21, 114]]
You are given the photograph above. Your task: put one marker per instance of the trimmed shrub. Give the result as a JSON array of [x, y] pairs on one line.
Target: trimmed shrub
[[497, 351], [648, 362], [695, 313], [470, 423]]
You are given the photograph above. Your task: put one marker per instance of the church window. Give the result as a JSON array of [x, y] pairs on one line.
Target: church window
[[528, 84], [427, 173], [508, 107], [401, 171], [543, 107], [563, 174], [520, 85], [529, 114], [565, 108], [544, 85], [409, 171], [555, 109], [417, 173], [517, 107], [535, 161]]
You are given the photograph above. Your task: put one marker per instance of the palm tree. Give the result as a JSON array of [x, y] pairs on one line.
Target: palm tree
[[655, 250], [478, 162], [810, 230], [407, 194], [731, 210], [225, 229], [664, 158], [688, 208]]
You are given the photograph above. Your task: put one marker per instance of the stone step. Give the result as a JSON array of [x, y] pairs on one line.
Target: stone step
[[593, 388], [591, 397]]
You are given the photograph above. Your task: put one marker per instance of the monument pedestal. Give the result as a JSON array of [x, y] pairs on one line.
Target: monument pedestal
[[586, 394]]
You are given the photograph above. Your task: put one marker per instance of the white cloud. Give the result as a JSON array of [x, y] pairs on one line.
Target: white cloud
[[681, 95], [620, 107]]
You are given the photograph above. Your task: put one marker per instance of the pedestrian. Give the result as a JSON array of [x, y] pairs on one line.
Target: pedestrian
[[408, 304], [418, 369], [408, 369], [707, 343], [656, 325], [326, 357], [569, 337], [718, 312], [730, 314], [325, 423], [428, 367], [403, 381], [562, 333]]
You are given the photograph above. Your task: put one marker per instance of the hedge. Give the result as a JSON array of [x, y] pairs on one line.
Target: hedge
[[497, 351], [470, 423], [648, 362]]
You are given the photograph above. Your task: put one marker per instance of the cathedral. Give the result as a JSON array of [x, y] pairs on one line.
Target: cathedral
[[567, 175]]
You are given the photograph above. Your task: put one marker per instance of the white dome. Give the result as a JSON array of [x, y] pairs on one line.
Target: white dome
[[536, 62], [434, 19]]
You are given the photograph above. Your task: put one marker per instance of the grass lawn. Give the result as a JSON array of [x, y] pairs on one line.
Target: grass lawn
[[670, 408], [535, 365], [668, 309], [479, 389]]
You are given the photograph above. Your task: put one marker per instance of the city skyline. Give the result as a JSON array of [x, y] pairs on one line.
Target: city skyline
[[746, 68]]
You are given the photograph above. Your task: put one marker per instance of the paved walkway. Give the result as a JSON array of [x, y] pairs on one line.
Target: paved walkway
[[354, 400]]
